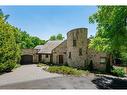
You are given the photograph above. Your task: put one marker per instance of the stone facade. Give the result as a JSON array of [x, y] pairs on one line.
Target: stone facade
[[46, 58], [74, 51], [76, 47], [32, 52], [60, 50], [98, 59]]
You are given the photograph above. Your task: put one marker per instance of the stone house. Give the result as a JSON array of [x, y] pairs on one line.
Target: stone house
[[73, 51]]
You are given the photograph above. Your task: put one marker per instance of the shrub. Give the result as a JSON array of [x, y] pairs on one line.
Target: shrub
[[7, 67], [118, 72], [2, 67], [65, 70]]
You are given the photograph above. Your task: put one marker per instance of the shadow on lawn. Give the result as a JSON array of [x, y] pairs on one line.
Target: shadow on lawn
[[104, 82]]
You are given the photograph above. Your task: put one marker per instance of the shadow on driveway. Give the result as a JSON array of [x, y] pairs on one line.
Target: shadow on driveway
[[105, 82], [66, 82]]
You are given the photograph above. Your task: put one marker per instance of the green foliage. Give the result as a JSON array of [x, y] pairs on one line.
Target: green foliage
[[118, 72], [124, 58], [111, 34], [58, 37], [111, 29], [52, 38], [12, 40], [7, 66], [28, 41], [65, 70], [9, 46]]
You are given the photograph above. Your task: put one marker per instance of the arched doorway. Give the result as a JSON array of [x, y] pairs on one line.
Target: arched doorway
[[26, 59]]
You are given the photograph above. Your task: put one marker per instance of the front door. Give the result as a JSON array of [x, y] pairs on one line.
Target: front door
[[61, 59]]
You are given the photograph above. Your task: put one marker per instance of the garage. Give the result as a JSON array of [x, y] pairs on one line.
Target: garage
[[26, 59]]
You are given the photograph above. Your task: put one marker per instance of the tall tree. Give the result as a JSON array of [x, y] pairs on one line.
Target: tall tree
[[111, 29], [9, 49]]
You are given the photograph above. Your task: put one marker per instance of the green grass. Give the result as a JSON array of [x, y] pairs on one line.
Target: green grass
[[66, 70]]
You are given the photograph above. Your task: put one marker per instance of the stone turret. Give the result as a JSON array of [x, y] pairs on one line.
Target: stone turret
[[77, 47]]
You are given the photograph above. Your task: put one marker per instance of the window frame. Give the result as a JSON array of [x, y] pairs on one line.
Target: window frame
[[74, 43]]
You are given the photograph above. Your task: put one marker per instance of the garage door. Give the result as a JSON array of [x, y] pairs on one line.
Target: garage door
[[26, 59]]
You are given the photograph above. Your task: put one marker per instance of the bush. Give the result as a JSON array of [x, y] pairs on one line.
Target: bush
[[65, 70], [2, 67], [118, 72], [7, 67]]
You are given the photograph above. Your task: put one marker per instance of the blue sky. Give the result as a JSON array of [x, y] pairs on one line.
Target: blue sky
[[44, 21]]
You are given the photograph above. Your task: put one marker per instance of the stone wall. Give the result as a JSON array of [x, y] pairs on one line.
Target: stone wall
[[60, 50], [96, 59], [78, 36], [45, 59]]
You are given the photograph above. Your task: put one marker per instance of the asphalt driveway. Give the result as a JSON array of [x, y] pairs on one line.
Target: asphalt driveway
[[33, 77], [25, 73]]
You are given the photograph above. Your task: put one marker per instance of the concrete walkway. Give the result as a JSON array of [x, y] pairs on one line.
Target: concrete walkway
[[25, 73]]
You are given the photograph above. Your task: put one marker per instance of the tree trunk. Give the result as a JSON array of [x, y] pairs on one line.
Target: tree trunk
[[109, 63]]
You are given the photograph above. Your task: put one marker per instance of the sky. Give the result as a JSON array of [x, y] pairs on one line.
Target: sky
[[44, 21]]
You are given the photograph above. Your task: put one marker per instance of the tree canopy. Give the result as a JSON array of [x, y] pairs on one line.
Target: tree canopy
[[111, 34], [57, 37], [12, 40], [9, 47]]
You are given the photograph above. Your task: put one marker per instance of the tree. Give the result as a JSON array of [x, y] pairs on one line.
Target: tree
[[58, 37], [36, 41], [9, 49], [111, 33], [52, 38], [4, 17], [28, 41]]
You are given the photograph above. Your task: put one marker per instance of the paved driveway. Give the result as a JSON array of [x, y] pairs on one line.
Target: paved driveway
[[25, 73], [33, 77]]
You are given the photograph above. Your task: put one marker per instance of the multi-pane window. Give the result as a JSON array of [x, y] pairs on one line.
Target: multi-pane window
[[69, 54], [80, 52], [74, 43]]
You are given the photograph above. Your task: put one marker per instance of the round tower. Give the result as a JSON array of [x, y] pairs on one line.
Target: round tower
[[77, 47]]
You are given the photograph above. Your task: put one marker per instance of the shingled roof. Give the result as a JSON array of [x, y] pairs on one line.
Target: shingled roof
[[39, 47], [49, 46]]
